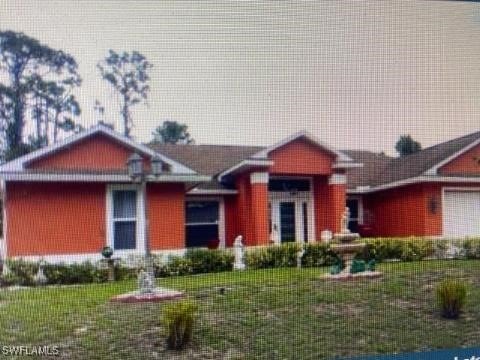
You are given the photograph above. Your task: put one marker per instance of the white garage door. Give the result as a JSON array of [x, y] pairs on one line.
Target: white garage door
[[461, 213]]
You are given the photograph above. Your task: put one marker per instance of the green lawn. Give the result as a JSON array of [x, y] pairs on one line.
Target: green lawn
[[264, 314]]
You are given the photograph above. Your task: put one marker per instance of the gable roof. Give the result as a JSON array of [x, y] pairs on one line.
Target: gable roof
[[380, 171], [19, 164], [340, 156]]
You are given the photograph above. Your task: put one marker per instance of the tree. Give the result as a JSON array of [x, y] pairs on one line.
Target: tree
[[128, 75], [406, 145], [172, 132], [30, 68]]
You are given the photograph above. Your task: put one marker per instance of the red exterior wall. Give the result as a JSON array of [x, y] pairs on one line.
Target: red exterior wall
[[300, 157], [232, 221], [466, 164], [55, 218], [406, 211], [166, 211], [329, 205], [98, 152]]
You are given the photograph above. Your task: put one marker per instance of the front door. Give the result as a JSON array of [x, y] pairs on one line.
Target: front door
[[287, 221], [292, 219]]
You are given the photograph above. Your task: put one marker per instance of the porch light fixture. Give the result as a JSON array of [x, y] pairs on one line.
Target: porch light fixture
[[157, 165], [432, 205], [135, 166]]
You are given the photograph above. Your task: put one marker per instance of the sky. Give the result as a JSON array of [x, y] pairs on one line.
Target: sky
[[355, 74]]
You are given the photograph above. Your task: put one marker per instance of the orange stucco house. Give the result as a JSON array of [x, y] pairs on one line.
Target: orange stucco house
[[67, 201]]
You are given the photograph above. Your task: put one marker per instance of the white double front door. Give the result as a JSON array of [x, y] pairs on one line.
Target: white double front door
[[291, 217]]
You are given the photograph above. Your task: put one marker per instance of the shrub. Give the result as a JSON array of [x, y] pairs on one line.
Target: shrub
[[318, 254], [75, 273], [284, 255], [175, 265], [206, 261], [451, 298], [179, 319], [21, 272], [405, 249], [471, 248]]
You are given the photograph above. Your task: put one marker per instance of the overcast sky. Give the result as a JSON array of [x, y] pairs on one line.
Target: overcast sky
[[356, 74]]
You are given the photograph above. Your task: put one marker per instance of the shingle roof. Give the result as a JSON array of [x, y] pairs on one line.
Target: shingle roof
[[378, 169]]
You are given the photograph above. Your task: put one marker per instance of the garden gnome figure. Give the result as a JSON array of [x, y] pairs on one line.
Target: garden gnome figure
[[238, 252]]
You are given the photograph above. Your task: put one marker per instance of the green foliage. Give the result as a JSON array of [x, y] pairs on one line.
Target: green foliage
[[318, 254], [127, 73], [405, 249], [197, 261], [172, 132], [406, 145], [451, 297], [37, 78], [206, 261], [179, 319], [471, 248], [284, 255], [75, 273], [23, 273]]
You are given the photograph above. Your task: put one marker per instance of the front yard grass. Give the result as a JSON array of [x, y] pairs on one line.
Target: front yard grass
[[263, 314]]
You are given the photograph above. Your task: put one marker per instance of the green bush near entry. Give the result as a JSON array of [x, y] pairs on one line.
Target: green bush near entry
[[274, 256], [318, 254], [404, 249]]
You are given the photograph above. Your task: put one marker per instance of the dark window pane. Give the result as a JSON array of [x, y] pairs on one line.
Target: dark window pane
[[124, 204], [353, 226], [124, 235], [201, 235], [288, 185], [287, 221], [202, 212], [305, 221], [353, 206]]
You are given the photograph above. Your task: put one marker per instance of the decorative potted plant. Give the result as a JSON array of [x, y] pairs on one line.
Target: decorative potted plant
[[107, 253]]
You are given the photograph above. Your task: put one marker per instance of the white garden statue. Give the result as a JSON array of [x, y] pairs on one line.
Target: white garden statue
[[275, 236], [238, 252]]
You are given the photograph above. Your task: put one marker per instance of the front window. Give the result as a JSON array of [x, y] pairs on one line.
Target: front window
[[202, 220], [353, 206], [124, 219]]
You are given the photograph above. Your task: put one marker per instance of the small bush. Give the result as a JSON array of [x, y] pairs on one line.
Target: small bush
[[451, 298], [273, 256], [179, 319], [21, 272], [318, 254], [75, 273], [404, 249], [207, 261], [175, 265], [471, 248]]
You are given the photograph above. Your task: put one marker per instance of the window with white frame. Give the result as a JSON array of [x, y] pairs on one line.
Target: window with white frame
[[202, 223], [124, 219], [355, 207]]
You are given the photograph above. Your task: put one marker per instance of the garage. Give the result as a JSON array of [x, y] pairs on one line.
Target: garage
[[461, 213]]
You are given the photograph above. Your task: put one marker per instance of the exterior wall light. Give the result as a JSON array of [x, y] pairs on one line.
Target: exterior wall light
[[135, 165]]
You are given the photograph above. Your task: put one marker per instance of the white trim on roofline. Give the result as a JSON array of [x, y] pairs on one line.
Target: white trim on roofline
[[19, 164], [245, 163], [344, 165], [434, 170], [414, 180], [340, 156], [196, 191], [80, 177]]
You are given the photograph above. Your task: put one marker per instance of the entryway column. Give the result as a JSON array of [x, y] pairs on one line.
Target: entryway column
[[259, 208], [337, 184]]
